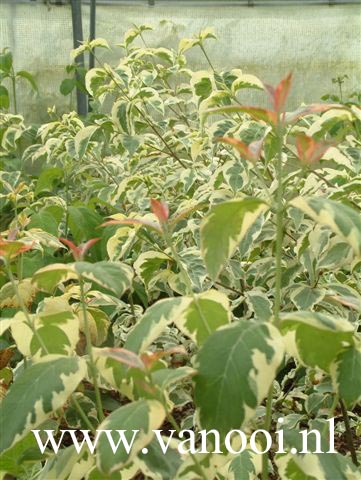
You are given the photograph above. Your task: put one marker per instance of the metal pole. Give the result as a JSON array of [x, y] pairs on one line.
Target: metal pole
[[81, 98], [92, 30]]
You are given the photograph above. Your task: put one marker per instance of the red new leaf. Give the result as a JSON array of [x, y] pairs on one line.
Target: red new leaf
[[309, 151], [160, 210], [80, 251], [251, 152], [11, 249], [280, 94]]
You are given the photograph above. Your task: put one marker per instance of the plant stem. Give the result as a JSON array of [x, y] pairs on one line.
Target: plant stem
[[176, 427], [206, 55], [82, 413], [185, 276], [279, 228], [92, 366], [24, 309], [278, 279], [349, 439], [267, 426], [13, 85]]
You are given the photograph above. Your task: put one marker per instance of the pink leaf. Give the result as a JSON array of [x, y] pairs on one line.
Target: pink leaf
[[160, 210], [123, 356], [309, 151], [251, 152]]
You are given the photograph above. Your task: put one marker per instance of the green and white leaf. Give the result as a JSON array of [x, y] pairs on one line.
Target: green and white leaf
[[37, 392], [314, 466], [148, 265], [154, 322], [259, 304], [144, 416], [83, 138], [246, 81], [305, 297], [158, 466], [49, 277], [238, 362], [58, 330], [114, 276], [341, 219], [316, 338], [346, 374], [224, 228], [205, 313], [246, 466]]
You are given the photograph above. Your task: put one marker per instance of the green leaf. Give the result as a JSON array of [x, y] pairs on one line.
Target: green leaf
[[204, 314], [346, 375], [37, 392], [246, 81], [246, 466], [67, 86], [47, 179], [114, 276], [238, 362], [260, 304], [148, 264], [313, 466], [341, 219], [144, 416], [315, 338], [45, 221], [153, 322], [6, 61], [29, 78], [49, 277], [83, 223], [224, 228], [4, 98], [155, 463], [306, 297], [83, 138]]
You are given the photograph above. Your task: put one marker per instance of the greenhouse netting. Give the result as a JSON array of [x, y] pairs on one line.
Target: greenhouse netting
[[317, 42]]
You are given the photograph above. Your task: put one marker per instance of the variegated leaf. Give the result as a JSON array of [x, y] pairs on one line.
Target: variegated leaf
[[153, 322], [9, 298], [204, 314], [314, 466], [224, 228], [342, 219], [58, 330], [346, 374], [316, 338], [138, 418], [114, 276], [148, 265], [238, 362], [49, 277], [246, 466], [37, 392], [305, 297]]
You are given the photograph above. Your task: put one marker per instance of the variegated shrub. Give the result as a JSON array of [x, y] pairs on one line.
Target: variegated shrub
[[179, 260]]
